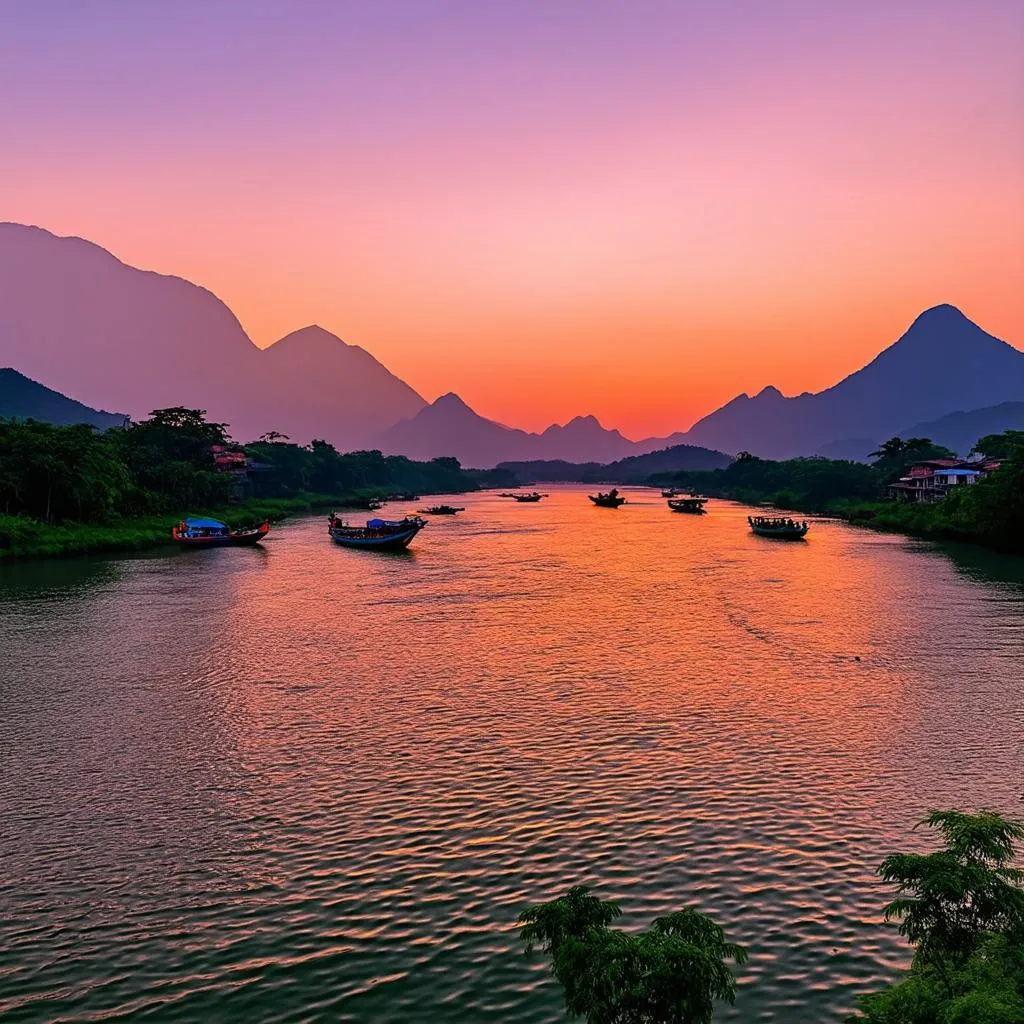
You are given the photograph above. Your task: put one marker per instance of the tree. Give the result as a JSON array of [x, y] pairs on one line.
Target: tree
[[670, 974], [962, 907], [1000, 446]]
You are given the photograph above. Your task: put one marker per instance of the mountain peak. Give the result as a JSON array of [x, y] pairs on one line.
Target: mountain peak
[[312, 335], [449, 400], [771, 391]]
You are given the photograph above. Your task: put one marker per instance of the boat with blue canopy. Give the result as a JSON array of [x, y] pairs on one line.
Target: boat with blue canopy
[[377, 534], [199, 532]]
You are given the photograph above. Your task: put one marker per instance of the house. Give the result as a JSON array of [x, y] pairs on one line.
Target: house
[[934, 479]]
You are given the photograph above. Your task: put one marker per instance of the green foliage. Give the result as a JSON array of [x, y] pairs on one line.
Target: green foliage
[[896, 456], [962, 907], [1000, 446], [670, 974], [72, 488]]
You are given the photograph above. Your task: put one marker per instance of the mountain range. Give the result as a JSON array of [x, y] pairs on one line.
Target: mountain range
[[23, 399], [75, 317], [78, 319]]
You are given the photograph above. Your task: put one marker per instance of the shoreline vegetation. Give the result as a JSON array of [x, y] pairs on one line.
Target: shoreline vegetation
[[73, 490]]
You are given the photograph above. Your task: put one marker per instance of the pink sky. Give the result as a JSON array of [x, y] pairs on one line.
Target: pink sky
[[635, 209]]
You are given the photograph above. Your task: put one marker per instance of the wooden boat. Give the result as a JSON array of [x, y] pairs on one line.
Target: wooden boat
[[693, 505], [441, 510], [377, 534], [670, 492], [778, 527], [529, 497], [212, 533], [610, 500]]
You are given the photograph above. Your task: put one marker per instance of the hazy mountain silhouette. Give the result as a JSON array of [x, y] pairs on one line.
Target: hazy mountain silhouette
[[118, 337], [943, 363], [958, 431], [634, 469], [450, 427], [22, 398]]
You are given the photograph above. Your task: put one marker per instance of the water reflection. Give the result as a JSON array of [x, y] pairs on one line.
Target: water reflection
[[319, 783]]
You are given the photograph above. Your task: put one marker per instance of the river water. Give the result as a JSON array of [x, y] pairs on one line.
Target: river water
[[305, 783]]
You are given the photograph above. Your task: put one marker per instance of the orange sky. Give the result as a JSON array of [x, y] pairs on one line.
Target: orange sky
[[588, 211]]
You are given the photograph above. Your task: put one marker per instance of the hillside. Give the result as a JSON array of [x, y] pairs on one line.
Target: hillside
[[22, 398], [118, 337], [943, 363]]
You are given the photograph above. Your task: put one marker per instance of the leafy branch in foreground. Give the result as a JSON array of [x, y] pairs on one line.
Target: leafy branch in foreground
[[670, 974], [963, 908]]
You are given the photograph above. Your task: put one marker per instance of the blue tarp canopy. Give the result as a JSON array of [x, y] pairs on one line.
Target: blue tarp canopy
[[204, 524]]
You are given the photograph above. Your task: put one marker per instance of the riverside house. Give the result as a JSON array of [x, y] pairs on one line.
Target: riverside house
[[934, 479]]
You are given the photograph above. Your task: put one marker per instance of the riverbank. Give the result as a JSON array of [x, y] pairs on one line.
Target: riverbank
[[22, 537]]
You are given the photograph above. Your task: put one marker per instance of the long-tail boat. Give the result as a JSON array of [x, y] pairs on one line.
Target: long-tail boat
[[441, 510], [610, 500], [212, 533], [778, 527], [377, 534], [529, 497], [693, 505]]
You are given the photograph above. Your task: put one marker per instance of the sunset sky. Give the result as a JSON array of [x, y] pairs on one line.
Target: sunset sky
[[635, 209]]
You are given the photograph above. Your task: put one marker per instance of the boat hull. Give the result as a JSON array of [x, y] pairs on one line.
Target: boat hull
[[607, 502], [238, 539], [361, 540], [798, 534]]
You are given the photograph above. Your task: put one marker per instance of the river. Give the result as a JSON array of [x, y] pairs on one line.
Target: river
[[306, 783]]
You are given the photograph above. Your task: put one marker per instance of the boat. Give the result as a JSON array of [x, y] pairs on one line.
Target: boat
[[441, 510], [402, 496], [377, 534], [375, 504], [212, 533], [692, 504], [610, 500], [529, 497], [670, 492], [778, 527]]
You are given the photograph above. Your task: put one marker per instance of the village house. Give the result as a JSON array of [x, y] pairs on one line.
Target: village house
[[934, 479]]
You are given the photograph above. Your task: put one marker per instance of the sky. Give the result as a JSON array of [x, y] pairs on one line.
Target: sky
[[635, 209]]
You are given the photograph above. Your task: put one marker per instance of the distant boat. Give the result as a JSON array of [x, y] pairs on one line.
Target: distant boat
[[212, 533], [377, 534], [693, 505], [777, 527], [374, 504], [441, 510], [610, 500], [671, 492], [403, 496], [529, 497]]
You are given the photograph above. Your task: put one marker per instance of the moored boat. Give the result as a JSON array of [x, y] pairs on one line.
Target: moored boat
[[693, 505], [670, 492], [529, 497], [377, 534], [778, 527], [610, 500], [212, 533], [441, 510]]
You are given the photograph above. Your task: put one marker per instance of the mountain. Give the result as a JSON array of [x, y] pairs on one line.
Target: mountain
[[118, 337], [961, 430], [943, 362], [449, 426], [633, 469], [22, 399]]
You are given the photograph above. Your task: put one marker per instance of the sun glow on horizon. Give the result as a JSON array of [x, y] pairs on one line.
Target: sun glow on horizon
[[590, 210]]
